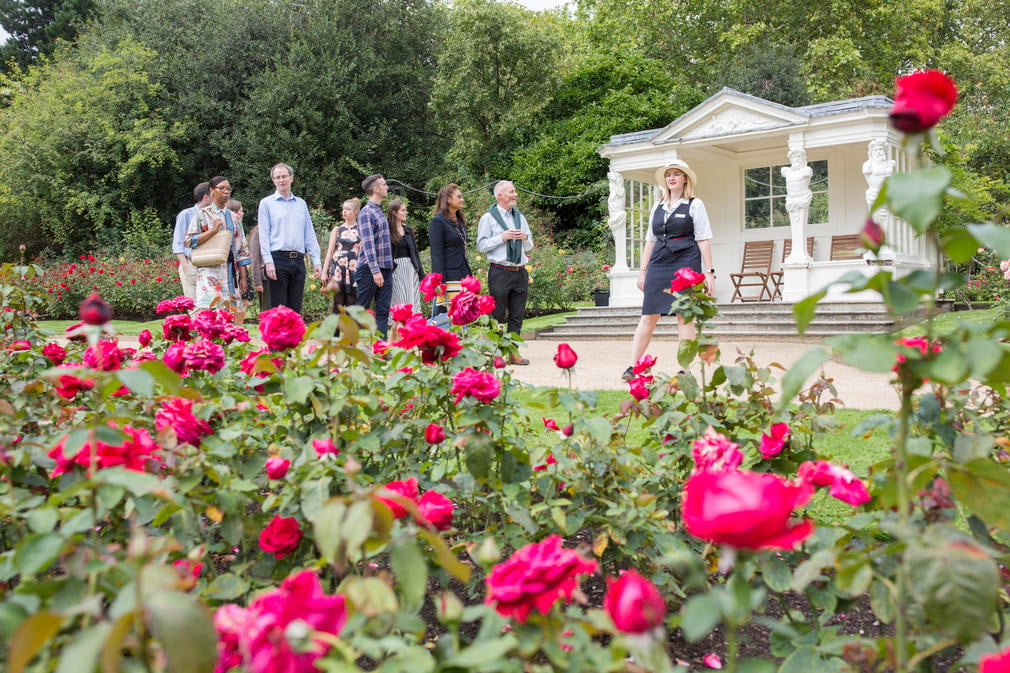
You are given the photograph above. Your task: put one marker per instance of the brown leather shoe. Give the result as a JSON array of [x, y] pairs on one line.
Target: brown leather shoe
[[518, 360]]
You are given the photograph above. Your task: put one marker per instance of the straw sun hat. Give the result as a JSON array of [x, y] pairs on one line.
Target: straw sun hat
[[680, 166]]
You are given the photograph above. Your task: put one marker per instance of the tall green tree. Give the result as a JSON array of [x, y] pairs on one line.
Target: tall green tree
[[81, 144], [496, 71], [35, 26]]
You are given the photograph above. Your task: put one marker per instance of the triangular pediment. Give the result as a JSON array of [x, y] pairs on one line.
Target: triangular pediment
[[730, 112]]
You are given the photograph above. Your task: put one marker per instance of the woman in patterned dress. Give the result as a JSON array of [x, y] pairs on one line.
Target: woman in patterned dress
[[221, 286], [342, 257]]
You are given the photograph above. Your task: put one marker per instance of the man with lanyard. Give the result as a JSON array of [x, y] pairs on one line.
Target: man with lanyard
[[187, 272], [286, 235], [374, 275], [504, 236]]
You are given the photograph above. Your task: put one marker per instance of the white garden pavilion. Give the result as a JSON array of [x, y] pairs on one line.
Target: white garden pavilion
[[737, 144]]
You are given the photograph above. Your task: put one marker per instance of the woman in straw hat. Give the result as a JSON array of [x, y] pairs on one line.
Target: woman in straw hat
[[679, 236]]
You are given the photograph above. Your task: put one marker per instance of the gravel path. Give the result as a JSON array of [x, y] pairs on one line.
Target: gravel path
[[601, 363]]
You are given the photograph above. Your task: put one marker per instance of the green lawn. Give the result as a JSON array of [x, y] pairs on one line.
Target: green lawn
[[125, 327], [946, 323]]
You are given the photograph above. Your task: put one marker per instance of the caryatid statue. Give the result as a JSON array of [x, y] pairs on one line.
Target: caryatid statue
[[876, 169], [798, 197], [618, 219]]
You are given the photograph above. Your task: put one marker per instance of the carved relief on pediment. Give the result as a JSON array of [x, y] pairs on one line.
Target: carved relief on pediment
[[731, 120]]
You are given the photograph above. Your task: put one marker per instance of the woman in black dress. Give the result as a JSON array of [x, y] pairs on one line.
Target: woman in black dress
[[342, 257], [447, 235], [679, 236]]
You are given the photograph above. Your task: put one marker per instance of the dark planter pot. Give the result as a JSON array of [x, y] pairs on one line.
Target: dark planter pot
[[601, 298]]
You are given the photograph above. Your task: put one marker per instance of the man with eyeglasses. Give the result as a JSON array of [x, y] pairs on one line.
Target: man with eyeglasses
[[286, 235], [187, 272]]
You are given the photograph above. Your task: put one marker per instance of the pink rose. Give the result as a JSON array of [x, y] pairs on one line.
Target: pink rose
[[998, 662], [685, 278], [281, 328], [177, 327], [844, 485], [325, 448], [174, 358], [634, 603], [434, 434], [281, 536], [550, 424], [277, 467], [204, 355], [639, 387], [431, 286], [104, 355], [712, 660], [380, 348], [482, 386], [176, 304], [535, 577], [144, 338], [405, 489], [921, 99], [464, 308], [644, 364], [470, 283], [713, 452], [20, 345], [436, 509], [872, 235], [55, 353], [177, 413], [486, 304], [774, 441], [95, 310], [746, 510], [135, 450], [499, 362], [551, 460], [565, 358], [69, 385]]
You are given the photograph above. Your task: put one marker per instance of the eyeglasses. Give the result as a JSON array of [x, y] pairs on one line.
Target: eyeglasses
[[225, 188]]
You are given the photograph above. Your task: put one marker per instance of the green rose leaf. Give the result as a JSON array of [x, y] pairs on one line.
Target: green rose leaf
[[410, 569], [298, 389], [958, 244], [918, 197], [185, 629], [984, 486], [700, 614], [804, 310], [797, 375], [226, 587], [37, 552], [992, 236], [84, 649]]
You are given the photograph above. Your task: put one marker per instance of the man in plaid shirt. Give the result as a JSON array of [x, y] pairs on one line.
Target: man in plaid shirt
[[374, 275]]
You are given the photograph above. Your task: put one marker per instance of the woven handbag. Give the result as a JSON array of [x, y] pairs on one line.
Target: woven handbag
[[213, 252]]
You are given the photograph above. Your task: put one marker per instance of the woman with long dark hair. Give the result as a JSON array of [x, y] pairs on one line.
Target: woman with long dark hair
[[408, 270], [447, 234], [219, 286]]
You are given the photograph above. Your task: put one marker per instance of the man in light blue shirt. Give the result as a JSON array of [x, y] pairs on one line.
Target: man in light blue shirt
[[286, 236], [187, 272]]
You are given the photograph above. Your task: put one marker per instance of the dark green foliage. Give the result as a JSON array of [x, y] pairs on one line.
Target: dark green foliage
[[36, 26], [771, 72]]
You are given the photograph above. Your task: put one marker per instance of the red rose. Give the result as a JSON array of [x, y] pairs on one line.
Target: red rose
[[380, 348], [187, 568], [644, 364], [20, 345], [482, 386], [281, 328], [180, 304], [685, 278], [70, 385], [177, 327], [431, 286], [551, 460], [177, 413], [746, 510], [434, 343], [713, 452], [639, 387], [277, 467], [921, 100], [464, 308], [174, 358], [94, 310], [872, 236], [281, 536], [499, 362], [55, 353], [75, 332], [144, 338], [401, 312], [135, 451], [470, 283], [565, 358], [550, 424], [634, 603], [434, 434], [204, 355], [844, 485], [436, 509], [535, 576], [406, 489], [774, 441], [325, 448]]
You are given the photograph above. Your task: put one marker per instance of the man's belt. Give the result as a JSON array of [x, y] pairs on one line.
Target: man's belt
[[513, 269], [290, 254]]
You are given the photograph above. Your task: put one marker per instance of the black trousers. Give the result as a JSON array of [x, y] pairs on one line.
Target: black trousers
[[510, 290], [368, 290], [289, 288]]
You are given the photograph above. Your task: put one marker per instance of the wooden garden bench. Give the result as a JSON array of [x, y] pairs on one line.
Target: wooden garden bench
[[846, 247], [755, 269]]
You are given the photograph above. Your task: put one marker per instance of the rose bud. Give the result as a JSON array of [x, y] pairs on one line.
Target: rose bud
[[565, 358], [634, 603], [499, 362], [434, 434], [277, 467], [872, 235], [94, 310], [144, 338]]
